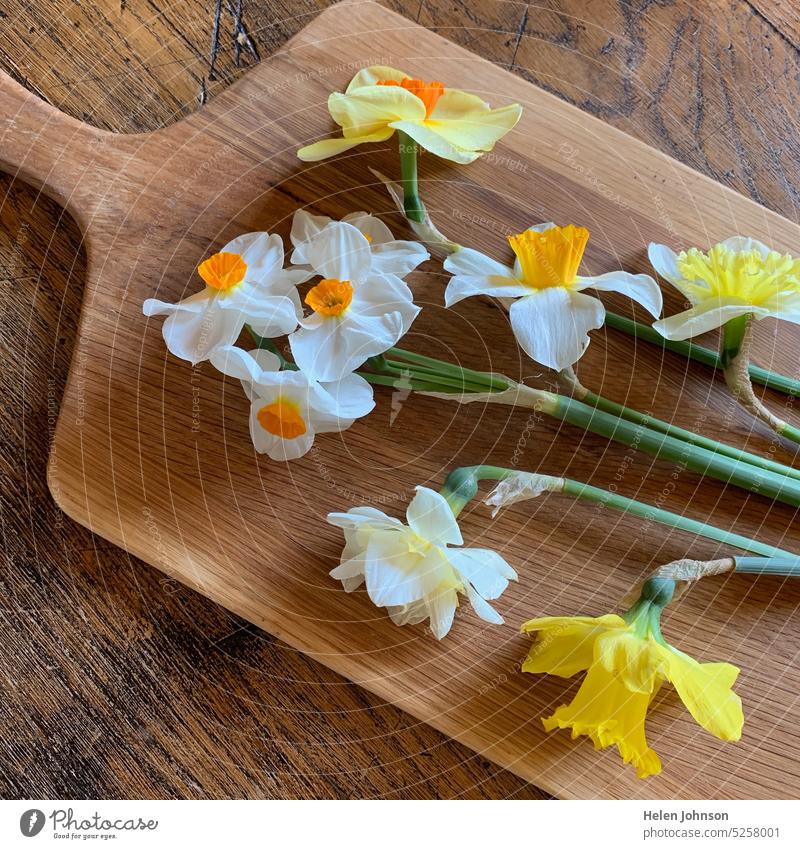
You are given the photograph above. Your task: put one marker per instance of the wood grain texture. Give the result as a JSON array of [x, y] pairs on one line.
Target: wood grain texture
[[502, 204]]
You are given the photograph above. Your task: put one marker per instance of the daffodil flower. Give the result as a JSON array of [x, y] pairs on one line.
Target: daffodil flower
[[287, 408], [358, 311], [550, 315], [445, 121], [389, 255], [626, 660], [737, 277], [412, 569], [245, 284], [737, 282]]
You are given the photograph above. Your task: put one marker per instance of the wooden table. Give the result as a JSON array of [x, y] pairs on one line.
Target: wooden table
[[97, 647]]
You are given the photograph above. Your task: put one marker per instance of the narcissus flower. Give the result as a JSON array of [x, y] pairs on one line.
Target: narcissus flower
[[627, 661], [412, 570], [445, 121], [358, 312], [737, 277], [550, 315], [245, 283], [389, 255], [288, 409]]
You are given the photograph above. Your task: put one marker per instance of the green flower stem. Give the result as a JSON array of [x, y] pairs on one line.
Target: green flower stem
[[424, 372], [268, 345], [785, 567], [461, 486], [491, 382], [692, 351], [595, 495], [689, 436], [703, 460], [733, 337], [723, 468], [400, 382], [412, 204]]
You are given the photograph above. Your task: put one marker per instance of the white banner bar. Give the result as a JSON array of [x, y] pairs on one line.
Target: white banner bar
[[382, 825]]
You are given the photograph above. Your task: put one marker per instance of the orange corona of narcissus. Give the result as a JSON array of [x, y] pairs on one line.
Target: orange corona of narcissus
[[445, 121]]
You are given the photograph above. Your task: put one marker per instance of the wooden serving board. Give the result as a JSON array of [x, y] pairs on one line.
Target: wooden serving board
[[155, 455]]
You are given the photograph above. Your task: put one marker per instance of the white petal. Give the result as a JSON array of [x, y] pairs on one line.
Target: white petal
[[709, 315], [394, 575], [442, 607], [304, 227], [241, 364], [269, 315], [383, 294], [638, 287], [371, 226], [194, 303], [195, 336], [665, 262], [475, 273], [347, 570], [552, 325], [358, 517], [340, 345], [472, 263], [397, 257], [262, 253], [429, 515], [485, 569], [741, 244], [266, 359], [351, 397], [482, 607], [496, 287], [409, 614], [339, 252]]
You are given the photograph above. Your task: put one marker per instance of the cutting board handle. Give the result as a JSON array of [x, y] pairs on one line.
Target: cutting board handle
[[43, 146]]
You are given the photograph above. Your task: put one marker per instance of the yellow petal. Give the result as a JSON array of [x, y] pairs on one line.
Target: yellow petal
[[565, 645], [705, 689], [373, 75], [476, 130], [609, 714], [455, 104], [425, 134], [564, 623], [331, 147], [635, 661], [369, 110]]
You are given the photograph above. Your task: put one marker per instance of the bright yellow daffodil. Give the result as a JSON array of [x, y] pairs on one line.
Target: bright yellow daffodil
[[627, 660], [445, 121]]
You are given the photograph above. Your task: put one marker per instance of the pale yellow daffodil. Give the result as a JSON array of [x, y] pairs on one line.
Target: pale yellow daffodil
[[445, 121], [627, 660], [740, 276]]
